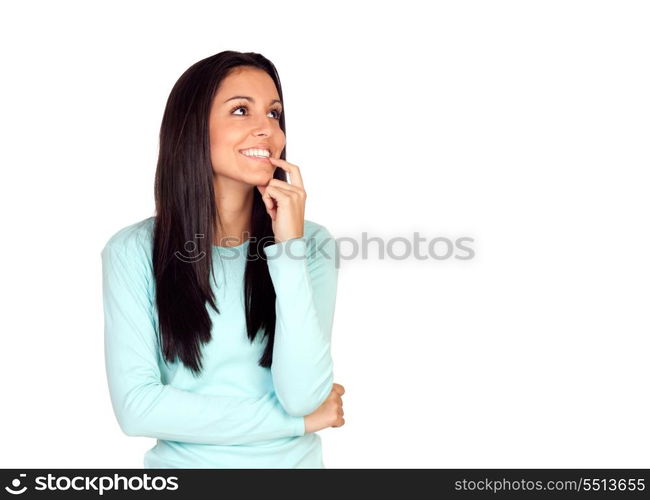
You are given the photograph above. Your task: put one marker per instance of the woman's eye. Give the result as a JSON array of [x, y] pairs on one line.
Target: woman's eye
[[238, 107], [276, 111]]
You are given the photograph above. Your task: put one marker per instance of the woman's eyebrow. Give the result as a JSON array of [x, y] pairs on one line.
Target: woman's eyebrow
[[250, 99]]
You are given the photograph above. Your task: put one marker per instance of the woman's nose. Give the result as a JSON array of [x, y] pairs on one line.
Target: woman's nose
[[263, 125], [262, 131]]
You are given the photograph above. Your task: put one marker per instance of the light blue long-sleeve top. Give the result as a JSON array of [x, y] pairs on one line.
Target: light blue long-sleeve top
[[236, 414]]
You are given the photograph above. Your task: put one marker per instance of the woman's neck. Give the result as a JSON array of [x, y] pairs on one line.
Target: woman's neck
[[234, 202]]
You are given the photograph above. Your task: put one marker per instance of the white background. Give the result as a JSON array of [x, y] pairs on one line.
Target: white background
[[523, 125]]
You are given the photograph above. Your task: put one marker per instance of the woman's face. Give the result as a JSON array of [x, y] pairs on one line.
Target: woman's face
[[250, 121]]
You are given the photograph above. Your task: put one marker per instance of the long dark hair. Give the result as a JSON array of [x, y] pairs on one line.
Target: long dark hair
[[186, 209]]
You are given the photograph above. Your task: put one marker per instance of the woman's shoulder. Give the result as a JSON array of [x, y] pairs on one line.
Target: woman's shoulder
[[319, 239], [136, 237], [314, 230]]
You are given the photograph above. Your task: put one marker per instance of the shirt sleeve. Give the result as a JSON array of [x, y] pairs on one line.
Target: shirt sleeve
[[142, 404], [304, 272]]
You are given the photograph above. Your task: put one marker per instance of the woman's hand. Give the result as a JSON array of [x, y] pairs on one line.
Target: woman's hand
[[329, 414], [285, 203]]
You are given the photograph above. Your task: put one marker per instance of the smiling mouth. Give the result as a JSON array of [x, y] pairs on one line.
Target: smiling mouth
[[258, 158]]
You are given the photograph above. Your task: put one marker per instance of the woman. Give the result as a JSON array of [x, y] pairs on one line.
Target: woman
[[218, 311]]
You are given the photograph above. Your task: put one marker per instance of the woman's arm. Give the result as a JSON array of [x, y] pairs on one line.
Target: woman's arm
[[304, 273], [142, 404]]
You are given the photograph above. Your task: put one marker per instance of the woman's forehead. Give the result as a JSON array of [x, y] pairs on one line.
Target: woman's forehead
[[250, 82]]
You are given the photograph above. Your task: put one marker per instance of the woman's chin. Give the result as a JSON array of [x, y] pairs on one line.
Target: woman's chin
[[260, 178]]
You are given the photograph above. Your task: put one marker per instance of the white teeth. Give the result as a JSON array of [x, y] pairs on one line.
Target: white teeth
[[262, 153]]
